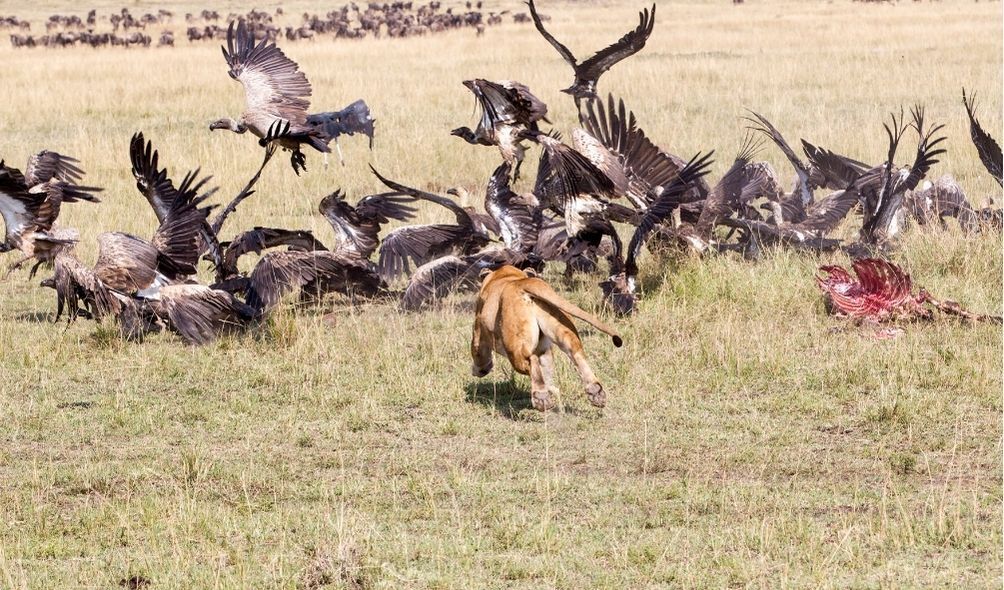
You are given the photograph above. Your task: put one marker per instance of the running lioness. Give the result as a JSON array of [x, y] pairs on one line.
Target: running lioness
[[520, 316]]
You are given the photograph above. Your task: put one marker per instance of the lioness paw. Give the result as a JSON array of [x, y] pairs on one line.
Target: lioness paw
[[596, 395], [541, 400]]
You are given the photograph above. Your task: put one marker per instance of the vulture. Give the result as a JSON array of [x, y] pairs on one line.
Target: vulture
[[314, 273], [611, 139], [507, 109], [934, 201], [144, 283], [517, 216], [588, 72], [740, 185], [259, 239], [804, 184], [882, 204], [569, 184], [159, 190], [988, 149], [421, 243], [808, 229], [358, 226], [619, 289], [881, 188], [439, 278], [197, 313], [30, 203], [277, 92]]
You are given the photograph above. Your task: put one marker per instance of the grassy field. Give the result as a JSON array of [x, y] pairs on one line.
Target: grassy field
[[747, 442]]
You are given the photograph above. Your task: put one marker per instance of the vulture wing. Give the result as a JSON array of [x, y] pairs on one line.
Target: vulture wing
[[435, 280], [989, 150], [626, 46], [46, 165], [761, 124], [664, 205], [198, 313], [565, 53], [275, 87], [126, 263], [463, 218], [729, 191], [417, 243]]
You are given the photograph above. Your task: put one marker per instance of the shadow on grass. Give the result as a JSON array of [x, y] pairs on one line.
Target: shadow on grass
[[34, 317], [506, 397]]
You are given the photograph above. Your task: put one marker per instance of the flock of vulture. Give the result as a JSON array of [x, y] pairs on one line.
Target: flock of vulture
[[398, 19], [610, 177]]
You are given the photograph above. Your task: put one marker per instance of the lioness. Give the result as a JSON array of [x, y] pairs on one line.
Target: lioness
[[519, 315]]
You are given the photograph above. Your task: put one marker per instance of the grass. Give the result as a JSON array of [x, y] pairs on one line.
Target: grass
[[746, 442]]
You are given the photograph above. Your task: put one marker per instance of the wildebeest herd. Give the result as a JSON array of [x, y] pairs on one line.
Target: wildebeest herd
[[610, 177], [351, 21]]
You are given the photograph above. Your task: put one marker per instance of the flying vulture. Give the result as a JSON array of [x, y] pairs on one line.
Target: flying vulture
[[278, 92], [588, 72]]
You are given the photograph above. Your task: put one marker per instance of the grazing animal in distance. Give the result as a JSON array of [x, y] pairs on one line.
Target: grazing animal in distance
[[519, 315], [588, 72]]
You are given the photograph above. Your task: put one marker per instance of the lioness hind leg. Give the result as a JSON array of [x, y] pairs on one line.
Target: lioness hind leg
[[568, 341], [540, 394], [547, 368]]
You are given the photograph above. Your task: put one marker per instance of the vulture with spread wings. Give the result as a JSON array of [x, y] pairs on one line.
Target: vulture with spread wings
[[277, 94], [588, 72], [507, 109], [30, 204], [358, 227], [619, 289], [419, 244], [639, 169]]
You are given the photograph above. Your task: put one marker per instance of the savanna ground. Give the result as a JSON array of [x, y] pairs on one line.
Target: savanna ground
[[745, 443]]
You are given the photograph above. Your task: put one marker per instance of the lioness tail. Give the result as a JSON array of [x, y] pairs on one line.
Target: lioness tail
[[538, 289]]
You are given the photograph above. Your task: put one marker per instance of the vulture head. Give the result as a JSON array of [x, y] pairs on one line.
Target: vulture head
[[469, 136], [582, 90], [228, 123], [619, 293]]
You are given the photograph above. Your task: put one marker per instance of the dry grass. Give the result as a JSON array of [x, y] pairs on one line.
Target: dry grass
[[744, 444]]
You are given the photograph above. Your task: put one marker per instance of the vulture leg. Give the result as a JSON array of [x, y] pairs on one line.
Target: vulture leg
[[298, 160], [15, 266], [34, 269], [341, 157]]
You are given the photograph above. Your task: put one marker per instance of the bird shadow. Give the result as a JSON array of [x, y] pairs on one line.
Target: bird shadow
[[504, 396], [34, 317]]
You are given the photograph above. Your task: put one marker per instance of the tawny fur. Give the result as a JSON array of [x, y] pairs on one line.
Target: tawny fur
[[518, 315]]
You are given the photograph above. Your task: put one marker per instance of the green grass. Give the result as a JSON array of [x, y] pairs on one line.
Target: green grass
[[749, 439]]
